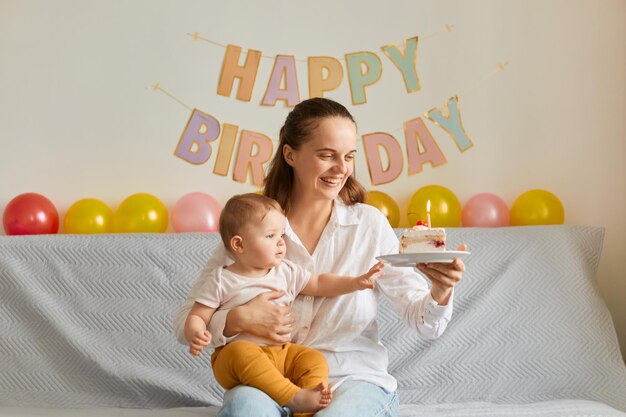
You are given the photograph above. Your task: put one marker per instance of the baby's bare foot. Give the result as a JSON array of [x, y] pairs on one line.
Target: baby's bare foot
[[327, 396], [310, 399]]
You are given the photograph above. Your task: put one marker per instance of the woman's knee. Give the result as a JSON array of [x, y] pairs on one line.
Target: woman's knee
[[245, 401], [361, 399]]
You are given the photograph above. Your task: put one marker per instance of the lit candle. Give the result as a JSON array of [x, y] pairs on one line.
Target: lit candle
[[428, 213]]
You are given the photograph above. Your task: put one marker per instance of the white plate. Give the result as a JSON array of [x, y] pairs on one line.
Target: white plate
[[410, 259]]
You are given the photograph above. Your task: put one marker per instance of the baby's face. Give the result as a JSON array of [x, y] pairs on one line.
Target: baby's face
[[263, 242]]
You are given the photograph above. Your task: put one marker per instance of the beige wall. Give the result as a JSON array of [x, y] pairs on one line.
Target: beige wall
[[78, 119]]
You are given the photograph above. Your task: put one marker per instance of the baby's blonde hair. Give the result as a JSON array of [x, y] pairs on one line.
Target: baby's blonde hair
[[240, 210]]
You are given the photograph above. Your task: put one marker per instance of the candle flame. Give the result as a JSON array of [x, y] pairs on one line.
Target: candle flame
[[428, 206]]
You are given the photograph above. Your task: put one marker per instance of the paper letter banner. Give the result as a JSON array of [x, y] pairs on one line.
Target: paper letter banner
[[416, 133], [246, 73], [452, 124], [318, 84], [245, 153], [358, 79], [372, 142], [284, 67], [249, 161], [405, 62], [194, 145]]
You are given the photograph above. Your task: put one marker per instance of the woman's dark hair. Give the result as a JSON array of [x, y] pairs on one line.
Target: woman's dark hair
[[297, 130]]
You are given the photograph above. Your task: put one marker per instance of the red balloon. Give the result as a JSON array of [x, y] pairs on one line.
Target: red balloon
[[30, 214]]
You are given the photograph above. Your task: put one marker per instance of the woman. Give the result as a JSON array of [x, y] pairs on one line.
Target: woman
[[329, 229]]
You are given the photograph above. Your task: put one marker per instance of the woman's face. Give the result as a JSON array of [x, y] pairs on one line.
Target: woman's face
[[323, 164]]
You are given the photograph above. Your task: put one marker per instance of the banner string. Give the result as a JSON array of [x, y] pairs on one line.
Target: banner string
[[499, 68], [196, 36], [448, 28], [157, 87]]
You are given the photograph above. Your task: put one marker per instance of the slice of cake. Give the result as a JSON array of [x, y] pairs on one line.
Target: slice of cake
[[420, 238]]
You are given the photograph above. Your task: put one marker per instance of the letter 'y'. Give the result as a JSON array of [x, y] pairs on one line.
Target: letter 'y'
[[451, 123], [405, 62]]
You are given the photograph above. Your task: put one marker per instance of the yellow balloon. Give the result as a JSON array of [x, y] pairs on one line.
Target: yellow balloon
[[445, 208], [537, 207], [141, 213], [386, 205], [88, 216]]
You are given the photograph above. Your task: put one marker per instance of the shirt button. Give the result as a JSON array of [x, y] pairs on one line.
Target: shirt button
[[308, 298]]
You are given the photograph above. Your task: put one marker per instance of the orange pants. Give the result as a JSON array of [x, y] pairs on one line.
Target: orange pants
[[280, 371]]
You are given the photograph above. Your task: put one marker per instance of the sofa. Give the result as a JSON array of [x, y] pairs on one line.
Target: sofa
[[85, 329]]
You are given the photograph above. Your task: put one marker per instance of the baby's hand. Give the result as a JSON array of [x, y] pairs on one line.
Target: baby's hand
[[201, 339], [366, 281]]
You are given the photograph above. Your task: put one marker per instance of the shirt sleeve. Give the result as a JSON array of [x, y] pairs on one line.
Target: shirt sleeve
[[409, 292], [219, 258], [209, 290]]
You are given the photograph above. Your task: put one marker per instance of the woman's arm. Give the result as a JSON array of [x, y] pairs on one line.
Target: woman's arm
[[259, 316], [428, 310]]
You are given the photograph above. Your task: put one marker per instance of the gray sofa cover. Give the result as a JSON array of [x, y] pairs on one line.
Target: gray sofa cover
[[85, 329]]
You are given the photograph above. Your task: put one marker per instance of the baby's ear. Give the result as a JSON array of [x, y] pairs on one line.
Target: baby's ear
[[236, 244]]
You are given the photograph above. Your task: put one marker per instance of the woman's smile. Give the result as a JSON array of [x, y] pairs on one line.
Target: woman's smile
[[332, 181]]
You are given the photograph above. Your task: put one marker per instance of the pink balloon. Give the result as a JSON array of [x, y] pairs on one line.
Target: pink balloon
[[196, 212], [30, 214], [485, 210]]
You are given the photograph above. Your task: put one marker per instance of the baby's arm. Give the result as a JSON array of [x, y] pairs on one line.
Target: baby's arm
[[196, 333], [328, 285]]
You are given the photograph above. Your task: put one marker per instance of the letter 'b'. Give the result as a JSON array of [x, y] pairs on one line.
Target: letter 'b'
[[195, 143]]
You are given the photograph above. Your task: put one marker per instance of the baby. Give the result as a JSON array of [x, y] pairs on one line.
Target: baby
[[252, 228]]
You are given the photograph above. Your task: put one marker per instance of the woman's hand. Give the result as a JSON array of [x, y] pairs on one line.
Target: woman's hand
[[261, 317], [443, 276]]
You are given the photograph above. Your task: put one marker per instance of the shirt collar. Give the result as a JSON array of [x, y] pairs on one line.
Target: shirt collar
[[342, 215]]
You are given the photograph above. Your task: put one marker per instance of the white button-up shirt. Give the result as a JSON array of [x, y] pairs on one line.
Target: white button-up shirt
[[344, 328]]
